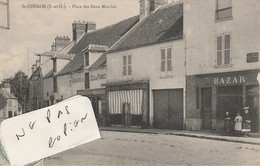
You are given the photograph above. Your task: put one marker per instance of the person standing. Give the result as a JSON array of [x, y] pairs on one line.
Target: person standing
[[238, 122], [246, 121], [227, 123]]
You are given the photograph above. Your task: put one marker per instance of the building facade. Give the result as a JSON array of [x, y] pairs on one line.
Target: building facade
[[222, 62], [146, 73], [12, 107]]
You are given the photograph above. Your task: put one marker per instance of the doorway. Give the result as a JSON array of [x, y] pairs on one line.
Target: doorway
[[206, 102]]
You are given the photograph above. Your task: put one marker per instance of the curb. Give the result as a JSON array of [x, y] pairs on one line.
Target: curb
[[186, 135]]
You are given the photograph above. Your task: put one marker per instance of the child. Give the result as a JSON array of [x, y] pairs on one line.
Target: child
[[238, 122], [227, 123]]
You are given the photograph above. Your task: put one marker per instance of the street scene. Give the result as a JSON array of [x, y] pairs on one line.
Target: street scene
[[117, 148], [171, 82]]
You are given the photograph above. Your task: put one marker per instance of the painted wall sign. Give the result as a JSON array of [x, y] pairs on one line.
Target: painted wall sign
[[252, 57], [97, 77], [47, 131], [78, 79], [229, 80]]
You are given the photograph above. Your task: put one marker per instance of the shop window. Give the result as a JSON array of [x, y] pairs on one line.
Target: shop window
[[127, 65], [223, 50], [86, 58], [223, 9], [87, 81]]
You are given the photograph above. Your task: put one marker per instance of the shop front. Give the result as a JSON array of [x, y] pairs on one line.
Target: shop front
[[216, 94], [98, 101], [128, 103]]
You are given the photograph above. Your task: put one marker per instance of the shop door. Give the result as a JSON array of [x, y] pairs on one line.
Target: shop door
[[168, 109], [206, 100], [175, 109]]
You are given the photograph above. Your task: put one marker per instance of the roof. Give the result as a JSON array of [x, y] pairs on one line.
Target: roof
[[106, 36], [100, 62], [164, 24], [6, 94]]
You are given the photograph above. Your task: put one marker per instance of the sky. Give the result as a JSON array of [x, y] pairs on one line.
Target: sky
[[33, 30]]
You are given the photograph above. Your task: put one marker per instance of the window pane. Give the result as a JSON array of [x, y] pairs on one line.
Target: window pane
[[124, 60], [226, 13], [162, 54], [124, 70], [227, 57], [222, 4], [227, 41], [129, 59], [87, 58], [169, 65], [86, 80], [129, 70], [219, 43], [219, 58], [169, 53], [162, 66]]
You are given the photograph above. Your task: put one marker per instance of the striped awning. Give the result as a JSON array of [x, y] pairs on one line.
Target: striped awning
[[116, 100]]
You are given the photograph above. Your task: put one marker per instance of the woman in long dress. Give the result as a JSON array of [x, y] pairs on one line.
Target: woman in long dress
[[238, 122]]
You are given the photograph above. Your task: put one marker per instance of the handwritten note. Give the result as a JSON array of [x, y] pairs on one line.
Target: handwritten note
[[47, 131]]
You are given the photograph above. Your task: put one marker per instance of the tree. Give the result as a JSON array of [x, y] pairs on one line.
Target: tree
[[20, 87], [3, 101]]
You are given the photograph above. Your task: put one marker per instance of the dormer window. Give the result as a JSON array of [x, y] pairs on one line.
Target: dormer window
[[86, 58]]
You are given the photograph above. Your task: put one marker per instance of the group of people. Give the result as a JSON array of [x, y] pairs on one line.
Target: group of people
[[241, 123]]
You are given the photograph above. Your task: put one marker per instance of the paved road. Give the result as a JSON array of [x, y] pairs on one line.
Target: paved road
[[118, 148]]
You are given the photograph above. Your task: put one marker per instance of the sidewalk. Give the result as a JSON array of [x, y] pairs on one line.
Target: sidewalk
[[196, 134]]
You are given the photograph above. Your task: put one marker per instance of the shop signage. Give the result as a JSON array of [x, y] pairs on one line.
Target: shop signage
[[229, 80], [252, 57], [97, 77], [79, 79]]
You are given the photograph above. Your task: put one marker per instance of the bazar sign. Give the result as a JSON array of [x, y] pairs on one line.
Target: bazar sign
[[229, 80]]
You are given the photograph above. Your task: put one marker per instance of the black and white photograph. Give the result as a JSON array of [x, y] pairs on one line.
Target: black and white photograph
[[129, 82]]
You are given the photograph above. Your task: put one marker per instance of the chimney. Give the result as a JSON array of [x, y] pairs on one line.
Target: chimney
[[7, 87], [61, 41], [79, 28], [148, 6]]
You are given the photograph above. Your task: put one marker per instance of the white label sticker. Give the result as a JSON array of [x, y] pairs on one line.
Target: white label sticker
[[47, 131]]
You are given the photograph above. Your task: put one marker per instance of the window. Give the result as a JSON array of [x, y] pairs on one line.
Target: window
[[55, 87], [223, 9], [9, 103], [87, 81], [166, 59], [223, 50], [86, 58], [127, 65]]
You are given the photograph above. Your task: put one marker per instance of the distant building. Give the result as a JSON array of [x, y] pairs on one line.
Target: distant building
[[12, 107], [78, 77]]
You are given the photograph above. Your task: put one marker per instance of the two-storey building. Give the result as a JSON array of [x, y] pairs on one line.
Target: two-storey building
[[145, 70], [222, 51]]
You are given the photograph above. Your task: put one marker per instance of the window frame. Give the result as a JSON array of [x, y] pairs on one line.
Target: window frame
[[127, 65], [87, 81], [223, 50], [165, 62], [217, 10], [86, 59]]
